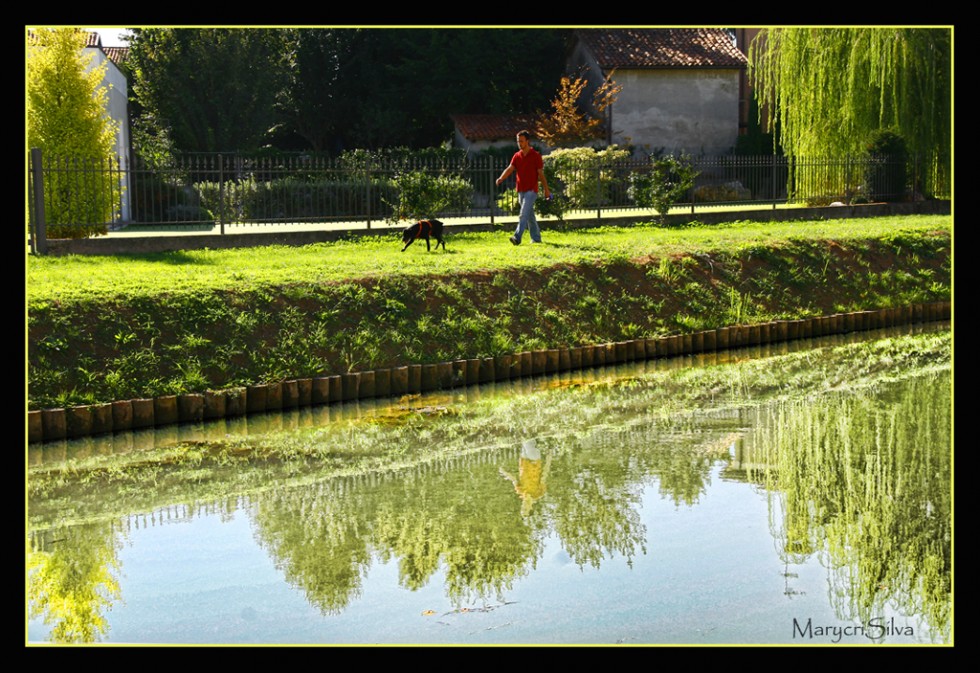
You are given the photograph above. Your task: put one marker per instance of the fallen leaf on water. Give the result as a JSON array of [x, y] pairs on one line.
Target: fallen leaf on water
[[428, 612]]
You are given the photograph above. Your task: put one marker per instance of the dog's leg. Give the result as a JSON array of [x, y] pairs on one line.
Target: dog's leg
[[408, 244], [427, 244]]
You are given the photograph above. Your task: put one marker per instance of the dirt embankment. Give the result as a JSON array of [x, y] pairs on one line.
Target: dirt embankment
[[99, 352]]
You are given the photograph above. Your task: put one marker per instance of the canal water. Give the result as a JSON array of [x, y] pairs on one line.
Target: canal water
[[796, 495]]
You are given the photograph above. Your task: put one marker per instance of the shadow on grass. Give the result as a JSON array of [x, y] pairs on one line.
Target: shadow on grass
[[174, 257]]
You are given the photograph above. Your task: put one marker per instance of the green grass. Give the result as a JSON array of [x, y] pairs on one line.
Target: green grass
[[104, 328], [78, 277]]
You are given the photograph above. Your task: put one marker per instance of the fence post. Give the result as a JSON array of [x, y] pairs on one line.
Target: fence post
[[598, 191], [693, 196], [367, 186], [492, 186], [39, 239], [113, 182], [221, 195], [772, 179]]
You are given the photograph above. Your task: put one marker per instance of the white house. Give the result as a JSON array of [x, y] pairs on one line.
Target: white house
[[117, 107]]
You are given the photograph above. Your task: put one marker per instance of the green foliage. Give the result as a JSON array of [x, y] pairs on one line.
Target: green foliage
[[886, 171], [330, 89], [585, 176], [227, 200], [668, 181], [151, 141], [430, 72], [401, 156], [420, 194], [208, 89], [413, 192], [555, 207], [189, 213], [74, 584], [309, 104], [507, 202], [67, 121], [828, 89], [756, 142], [308, 200]]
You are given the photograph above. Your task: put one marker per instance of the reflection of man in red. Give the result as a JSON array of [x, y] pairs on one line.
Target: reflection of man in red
[[530, 483]]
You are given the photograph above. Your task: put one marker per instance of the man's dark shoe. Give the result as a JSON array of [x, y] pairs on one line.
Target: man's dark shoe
[[515, 240]]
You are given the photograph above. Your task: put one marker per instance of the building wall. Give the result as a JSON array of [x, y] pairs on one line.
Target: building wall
[[476, 146], [509, 143], [677, 109], [118, 110], [696, 111]]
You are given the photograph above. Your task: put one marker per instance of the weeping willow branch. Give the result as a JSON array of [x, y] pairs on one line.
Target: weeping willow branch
[[829, 88]]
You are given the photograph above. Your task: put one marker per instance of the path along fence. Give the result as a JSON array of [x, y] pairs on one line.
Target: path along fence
[[76, 198]]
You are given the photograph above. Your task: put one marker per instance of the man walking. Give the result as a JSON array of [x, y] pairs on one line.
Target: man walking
[[529, 165]]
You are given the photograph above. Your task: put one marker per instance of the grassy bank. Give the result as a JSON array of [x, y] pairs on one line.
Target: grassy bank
[[107, 328]]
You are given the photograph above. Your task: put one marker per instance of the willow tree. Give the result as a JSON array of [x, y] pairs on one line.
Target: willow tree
[[830, 89]]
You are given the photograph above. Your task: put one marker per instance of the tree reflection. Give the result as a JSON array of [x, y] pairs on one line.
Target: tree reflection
[[319, 537], [471, 494], [453, 517], [864, 480], [458, 520], [72, 580]]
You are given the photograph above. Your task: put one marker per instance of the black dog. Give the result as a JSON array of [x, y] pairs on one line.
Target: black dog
[[424, 229]]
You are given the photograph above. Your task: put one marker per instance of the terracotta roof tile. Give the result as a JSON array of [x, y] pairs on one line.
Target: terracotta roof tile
[[662, 48], [490, 126], [93, 40], [117, 55]]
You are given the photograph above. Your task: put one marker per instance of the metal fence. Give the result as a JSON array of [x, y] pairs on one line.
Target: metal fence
[[223, 190]]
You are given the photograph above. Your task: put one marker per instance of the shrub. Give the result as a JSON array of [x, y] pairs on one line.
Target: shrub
[[67, 122], [886, 170], [584, 176], [228, 199], [556, 206], [668, 180], [80, 198], [729, 191], [507, 202], [418, 194]]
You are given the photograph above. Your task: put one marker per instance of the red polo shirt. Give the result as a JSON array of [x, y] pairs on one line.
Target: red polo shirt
[[526, 167]]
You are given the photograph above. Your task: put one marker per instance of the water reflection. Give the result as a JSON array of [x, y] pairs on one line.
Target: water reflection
[[531, 482], [459, 493], [73, 576], [863, 481]]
